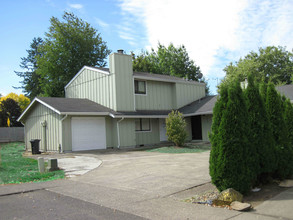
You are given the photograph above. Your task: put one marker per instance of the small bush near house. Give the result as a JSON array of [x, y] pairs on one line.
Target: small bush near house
[[176, 128], [16, 169]]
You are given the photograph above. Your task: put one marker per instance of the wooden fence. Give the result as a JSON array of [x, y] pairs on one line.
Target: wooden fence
[[11, 134]]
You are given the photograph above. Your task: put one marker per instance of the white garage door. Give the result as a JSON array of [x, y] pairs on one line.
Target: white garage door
[[88, 133]]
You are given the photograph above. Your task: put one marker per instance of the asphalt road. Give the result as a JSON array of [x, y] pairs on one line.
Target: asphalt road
[[43, 204]]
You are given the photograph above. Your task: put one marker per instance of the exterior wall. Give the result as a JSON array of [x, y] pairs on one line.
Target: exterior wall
[[127, 133], [66, 134], [111, 132], [95, 86], [151, 137], [188, 128], [159, 96], [206, 123], [34, 129], [187, 93], [121, 67]]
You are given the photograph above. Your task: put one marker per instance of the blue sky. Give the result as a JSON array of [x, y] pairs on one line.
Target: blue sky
[[214, 32]]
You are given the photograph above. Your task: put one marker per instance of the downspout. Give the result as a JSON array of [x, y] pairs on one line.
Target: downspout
[[24, 135], [44, 136], [118, 132], [61, 134]]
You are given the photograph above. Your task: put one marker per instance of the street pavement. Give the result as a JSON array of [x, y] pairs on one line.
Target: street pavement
[[139, 185]]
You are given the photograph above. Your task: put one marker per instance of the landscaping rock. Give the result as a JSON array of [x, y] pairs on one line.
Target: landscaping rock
[[221, 203], [286, 183], [230, 195], [239, 206]]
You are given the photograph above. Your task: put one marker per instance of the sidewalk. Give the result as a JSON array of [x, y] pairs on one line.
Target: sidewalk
[[157, 208]]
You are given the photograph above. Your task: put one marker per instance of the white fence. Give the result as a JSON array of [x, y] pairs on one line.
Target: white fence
[[10, 134]]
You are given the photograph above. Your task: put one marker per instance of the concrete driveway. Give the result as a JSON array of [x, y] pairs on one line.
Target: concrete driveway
[[150, 174]]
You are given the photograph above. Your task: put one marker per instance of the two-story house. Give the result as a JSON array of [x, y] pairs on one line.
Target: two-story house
[[116, 107]]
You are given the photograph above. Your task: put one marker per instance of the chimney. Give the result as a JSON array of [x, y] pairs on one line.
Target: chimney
[[120, 63]]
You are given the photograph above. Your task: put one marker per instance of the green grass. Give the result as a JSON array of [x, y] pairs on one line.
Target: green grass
[[180, 150], [17, 169]]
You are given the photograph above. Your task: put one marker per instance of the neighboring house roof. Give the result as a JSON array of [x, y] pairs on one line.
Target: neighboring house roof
[[203, 106], [139, 75], [286, 90]]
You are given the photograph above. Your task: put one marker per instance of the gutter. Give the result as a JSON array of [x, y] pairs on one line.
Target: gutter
[[118, 132]]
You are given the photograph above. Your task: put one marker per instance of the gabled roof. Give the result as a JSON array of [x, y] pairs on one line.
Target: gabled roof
[[286, 90], [203, 106], [70, 106], [73, 106]]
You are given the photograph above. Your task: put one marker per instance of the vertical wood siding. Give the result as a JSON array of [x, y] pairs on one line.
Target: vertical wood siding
[[95, 86], [187, 93], [33, 127], [121, 66], [188, 128], [152, 137], [206, 123], [127, 133], [158, 97]]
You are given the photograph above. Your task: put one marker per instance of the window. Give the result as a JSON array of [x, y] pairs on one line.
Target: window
[[140, 87], [142, 124]]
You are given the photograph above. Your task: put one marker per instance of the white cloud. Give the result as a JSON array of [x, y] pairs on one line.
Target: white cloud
[[76, 6], [214, 32], [101, 23]]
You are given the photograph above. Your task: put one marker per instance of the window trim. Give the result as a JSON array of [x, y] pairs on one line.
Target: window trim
[[140, 123], [140, 93]]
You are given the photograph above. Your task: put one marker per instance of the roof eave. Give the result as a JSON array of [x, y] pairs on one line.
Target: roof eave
[[32, 103], [167, 80]]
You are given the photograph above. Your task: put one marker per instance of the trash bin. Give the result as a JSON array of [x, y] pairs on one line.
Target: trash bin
[[35, 146]]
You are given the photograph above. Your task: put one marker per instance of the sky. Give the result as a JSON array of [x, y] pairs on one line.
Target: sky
[[215, 33]]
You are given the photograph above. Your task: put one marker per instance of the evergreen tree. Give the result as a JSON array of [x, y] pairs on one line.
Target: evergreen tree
[[220, 106], [233, 167], [275, 110], [31, 80], [263, 159], [288, 149]]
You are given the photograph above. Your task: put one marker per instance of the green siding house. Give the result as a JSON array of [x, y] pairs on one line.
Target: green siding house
[[116, 108]]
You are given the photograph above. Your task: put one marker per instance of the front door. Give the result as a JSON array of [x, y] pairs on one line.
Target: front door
[[196, 127]]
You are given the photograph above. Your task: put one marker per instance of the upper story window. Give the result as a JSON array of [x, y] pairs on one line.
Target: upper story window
[[140, 87]]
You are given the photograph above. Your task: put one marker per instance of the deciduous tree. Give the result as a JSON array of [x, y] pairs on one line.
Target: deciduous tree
[[170, 60], [274, 64], [68, 46]]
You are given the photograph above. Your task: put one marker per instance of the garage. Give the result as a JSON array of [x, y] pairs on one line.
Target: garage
[[88, 133]]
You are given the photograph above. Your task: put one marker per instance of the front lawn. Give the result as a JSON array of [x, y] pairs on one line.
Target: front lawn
[[16, 169], [190, 148]]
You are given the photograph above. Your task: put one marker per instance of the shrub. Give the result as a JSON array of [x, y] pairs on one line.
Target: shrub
[[176, 128]]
